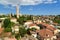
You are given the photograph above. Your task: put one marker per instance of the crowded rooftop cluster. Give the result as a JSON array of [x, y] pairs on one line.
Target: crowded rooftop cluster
[[29, 27]]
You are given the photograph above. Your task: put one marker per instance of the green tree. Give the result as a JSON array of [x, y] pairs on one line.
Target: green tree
[[57, 21], [29, 17], [7, 30], [33, 29], [28, 31], [2, 16], [21, 20], [7, 24], [17, 36], [22, 31]]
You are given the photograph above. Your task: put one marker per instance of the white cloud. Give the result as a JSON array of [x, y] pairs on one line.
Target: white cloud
[[26, 2], [49, 2]]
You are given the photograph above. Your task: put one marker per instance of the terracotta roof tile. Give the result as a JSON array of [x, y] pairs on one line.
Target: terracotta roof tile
[[32, 25], [45, 33], [48, 26], [58, 38], [1, 30], [29, 21]]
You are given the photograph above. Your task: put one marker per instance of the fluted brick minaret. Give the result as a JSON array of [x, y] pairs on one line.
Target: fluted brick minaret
[[17, 11]]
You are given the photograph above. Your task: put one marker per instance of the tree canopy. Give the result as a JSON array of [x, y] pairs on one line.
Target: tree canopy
[[23, 19], [7, 24], [22, 31]]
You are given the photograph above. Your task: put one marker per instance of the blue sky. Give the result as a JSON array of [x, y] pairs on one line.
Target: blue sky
[[34, 7]]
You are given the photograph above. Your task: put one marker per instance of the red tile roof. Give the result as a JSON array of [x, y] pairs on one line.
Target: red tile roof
[[12, 39], [48, 26], [7, 34], [1, 30], [58, 38], [32, 25], [45, 33]]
